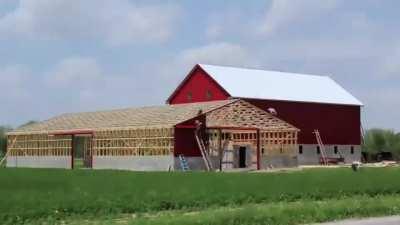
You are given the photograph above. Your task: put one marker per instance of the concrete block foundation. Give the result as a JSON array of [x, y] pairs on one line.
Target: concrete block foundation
[[310, 156], [39, 161], [137, 163], [283, 161]]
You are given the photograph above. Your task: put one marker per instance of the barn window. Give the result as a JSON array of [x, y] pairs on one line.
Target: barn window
[[352, 149], [208, 95], [300, 149], [189, 96], [318, 150], [335, 149]]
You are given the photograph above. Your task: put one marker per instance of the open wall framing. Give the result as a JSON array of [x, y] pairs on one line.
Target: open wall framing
[[137, 149], [159, 136], [133, 149], [39, 150], [269, 141]]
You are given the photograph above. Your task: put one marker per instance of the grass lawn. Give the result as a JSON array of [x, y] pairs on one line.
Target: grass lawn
[[38, 195], [277, 213]]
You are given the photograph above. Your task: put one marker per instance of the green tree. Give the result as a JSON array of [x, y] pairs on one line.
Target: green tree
[[3, 139], [382, 140]]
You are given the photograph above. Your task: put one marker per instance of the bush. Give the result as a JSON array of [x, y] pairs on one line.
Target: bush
[[3, 139], [380, 140]]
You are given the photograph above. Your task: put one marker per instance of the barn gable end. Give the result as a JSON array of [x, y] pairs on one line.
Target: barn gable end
[[198, 86]]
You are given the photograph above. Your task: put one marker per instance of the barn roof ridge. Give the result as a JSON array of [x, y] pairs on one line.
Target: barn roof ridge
[[265, 70]]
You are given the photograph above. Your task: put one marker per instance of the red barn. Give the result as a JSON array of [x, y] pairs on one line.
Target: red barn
[[308, 102]]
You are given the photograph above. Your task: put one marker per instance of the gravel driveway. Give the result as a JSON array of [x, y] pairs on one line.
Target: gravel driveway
[[393, 220]]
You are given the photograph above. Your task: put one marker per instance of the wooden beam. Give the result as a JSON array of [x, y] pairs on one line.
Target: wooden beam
[[258, 150]]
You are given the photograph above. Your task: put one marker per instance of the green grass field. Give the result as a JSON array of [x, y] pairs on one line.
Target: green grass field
[[37, 195]]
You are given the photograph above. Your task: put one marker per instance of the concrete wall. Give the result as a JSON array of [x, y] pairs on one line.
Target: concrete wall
[[39, 161], [230, 159], [137, 163], [310, 156], [279, 161], [196, 163]]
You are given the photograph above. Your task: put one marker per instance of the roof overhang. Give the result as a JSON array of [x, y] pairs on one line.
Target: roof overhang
[[308, 102]]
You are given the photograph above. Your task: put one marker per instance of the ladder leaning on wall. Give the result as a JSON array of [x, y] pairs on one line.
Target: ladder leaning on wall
[[204, 152], [184, 163], [324, 159], [202, 147]]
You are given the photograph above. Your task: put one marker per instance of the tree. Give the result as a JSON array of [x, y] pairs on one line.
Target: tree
[[3, 139], [381, 140]]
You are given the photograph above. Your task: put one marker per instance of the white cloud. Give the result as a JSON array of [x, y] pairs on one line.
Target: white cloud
[[173, 71], [16, 94], [282, 13], [13, 79], [83, 84], [114, 22], [381, 107], [390, 66], [221, 53], [230, 22], [75, 72]]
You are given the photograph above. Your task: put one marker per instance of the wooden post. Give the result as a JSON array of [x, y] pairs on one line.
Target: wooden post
[[220, 150], [258, 150], [72, 150]]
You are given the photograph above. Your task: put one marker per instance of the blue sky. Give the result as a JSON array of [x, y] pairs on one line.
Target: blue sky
[[61, 56]]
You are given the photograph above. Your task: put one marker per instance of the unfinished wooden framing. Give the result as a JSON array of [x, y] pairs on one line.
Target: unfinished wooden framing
[[272, 143], [236, 122], [112, 142], [38, 145], [133, 142], [240, 123]]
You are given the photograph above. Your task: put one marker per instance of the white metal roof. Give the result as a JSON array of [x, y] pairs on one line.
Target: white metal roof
[[262, 84]]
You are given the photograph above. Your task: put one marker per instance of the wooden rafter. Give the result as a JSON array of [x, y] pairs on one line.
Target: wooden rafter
[[242, 114]]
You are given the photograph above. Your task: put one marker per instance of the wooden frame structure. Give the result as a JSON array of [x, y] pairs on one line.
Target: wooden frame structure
[[39, 145], [133, 142], [241, 123], [231, 122], [106, 142]]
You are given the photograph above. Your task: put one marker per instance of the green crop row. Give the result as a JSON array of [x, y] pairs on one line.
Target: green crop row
[[39, 193]]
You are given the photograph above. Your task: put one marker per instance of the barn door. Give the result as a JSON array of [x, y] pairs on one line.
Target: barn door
[[82, 154], [242, 157]]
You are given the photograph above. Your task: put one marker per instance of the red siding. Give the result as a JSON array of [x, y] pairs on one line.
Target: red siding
[[198, 84], [337, 124], [185, 142]]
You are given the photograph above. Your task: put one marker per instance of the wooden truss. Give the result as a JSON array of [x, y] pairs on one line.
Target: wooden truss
[[241, 123], [236, 122], [242, 114]]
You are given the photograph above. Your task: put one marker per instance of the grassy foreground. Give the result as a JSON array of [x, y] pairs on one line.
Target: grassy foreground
[[33, 195], [282, 213]]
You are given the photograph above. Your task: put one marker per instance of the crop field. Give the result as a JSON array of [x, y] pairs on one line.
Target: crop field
[[80, 196]]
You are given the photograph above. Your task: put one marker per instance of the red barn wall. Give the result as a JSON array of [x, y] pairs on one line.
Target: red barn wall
[[337, 124], [198, 84], [184, 141]]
